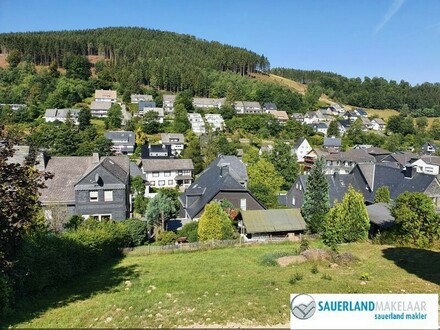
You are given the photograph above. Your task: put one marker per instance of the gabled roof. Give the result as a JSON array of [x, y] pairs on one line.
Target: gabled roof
[[146, 104], [270, 106], [361, 112], [271, 221], [375, 151], [140, 97], [156, 165], [169, 98], [400, 157], [117, 136], [297, 115], [280, 114], [378, 121], [380, 214], [356, 155], [170, 138], [332, 142], [346, 123], [107, 94], [237, 169], [100, 105], [299, 142]]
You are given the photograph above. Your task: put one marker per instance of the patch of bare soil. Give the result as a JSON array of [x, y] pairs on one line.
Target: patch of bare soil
[[3, 63], [94, 58], [316, 255], [286, 261]]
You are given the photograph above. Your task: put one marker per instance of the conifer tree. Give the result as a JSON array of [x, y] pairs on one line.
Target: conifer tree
[[316, 198], [382, 195], [215, 223]]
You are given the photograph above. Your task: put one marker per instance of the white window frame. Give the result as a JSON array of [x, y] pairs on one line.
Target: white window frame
[[161, 183], [155, 174], [243, 204], [108, 195], [170, 182], [167, 173], [93, 196]]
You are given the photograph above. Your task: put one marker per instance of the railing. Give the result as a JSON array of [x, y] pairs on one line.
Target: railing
[[207, 245]]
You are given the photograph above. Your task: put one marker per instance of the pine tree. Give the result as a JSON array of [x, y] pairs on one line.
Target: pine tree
[[333, 129], [382, 195], [215, 224], [316, 198]]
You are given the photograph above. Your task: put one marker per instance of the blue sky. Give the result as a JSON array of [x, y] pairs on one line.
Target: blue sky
[[395, 39]]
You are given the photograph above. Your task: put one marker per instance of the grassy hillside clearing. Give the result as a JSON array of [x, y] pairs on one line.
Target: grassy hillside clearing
[[228, 287]]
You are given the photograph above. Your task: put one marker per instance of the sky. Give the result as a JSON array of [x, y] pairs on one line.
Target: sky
[[394, 39]]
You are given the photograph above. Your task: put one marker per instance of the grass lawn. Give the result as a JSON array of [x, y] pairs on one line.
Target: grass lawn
[[220, 286]]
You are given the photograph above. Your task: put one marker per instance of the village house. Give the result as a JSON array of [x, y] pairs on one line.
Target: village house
[[175, 140], [301, 148], [343, 126], [344, 162], [105, 96], [123, 141], [311, 157], [269, 106], [247, 107], [159, 111], [281, 116], [313, 117], [319, 128], [168, 173], [332, 144], [215, 121], [366, 124], [299, 117], [378, 124], [90, 186], [337, 108], [197, 123], [136, 98], [12, 106], [100, 108], [429, 148], [61, 115], [168, 103], [157, 151], [208, 103], [351, 115], [224, 179]]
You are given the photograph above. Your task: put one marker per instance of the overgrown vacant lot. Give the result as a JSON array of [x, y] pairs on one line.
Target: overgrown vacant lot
[[223, 286]]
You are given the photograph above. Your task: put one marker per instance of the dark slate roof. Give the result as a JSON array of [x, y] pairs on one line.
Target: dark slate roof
[[400, 157], [356, 155], [237, 169], [380, 214], [361, 112], [298, 143], [429, 159], [114, 168], [135, 170], [377, 151], [271, 221], [146, 150], [146, 104], [116, 136], [332, 142], [345, 122], [270, 106], [282, 199]]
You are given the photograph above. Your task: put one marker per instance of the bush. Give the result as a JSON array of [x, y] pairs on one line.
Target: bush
[[189, 231], [74, 222], [270, 259], [365, 277], [5, 294], [48, 259], [166, 238], [304, 245], [314, 269], [137, 231], [296, 277]]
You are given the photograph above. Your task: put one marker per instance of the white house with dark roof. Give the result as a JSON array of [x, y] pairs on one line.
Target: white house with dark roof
[[208, 103], [102, 95], [52, 115], [175, 140], [168, 173], [301, 148], [378, 124], [123, 141], [248, 107]]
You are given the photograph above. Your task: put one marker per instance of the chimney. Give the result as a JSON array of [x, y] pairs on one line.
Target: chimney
[[95, 158], [410, 171], [224, 170]]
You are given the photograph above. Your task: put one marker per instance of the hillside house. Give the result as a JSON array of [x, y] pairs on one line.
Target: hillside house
[[157, 151], [351, 115], [136, 98], [168, 103], [429, 148], [12, 106], [61, 115], [281, 116], [332, 143], [100, 108], [301, 148], [90, 186], [215, 121], [344, 162], [378, 124], [319, 128], [168, 173], [105, 96], [299, 117], [361, 113], [343, 126], [269, 106], [175, 140], [159, 111], [123, 141], [208, 103], [197, 123], [225, 178], [247, 107]]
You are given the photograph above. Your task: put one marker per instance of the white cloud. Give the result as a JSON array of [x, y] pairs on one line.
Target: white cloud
[[394, 8]]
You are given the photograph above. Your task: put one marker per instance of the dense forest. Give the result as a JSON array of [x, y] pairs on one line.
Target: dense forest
[[378, 93], [134, 56]]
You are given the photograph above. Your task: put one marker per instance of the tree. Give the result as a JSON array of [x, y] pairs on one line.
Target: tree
[[19, 205], [162, 207], [382, 195], [137, 185], [151, 123], [215, 224], [417, 223], [333, 129], [84, 117], [14, 58], [346, 221], [421, 123], [77, 67], [285, 163], [264, 182], [185, 99], [181, 122], [316, 198], [103, 146], [435, 129], [193, 151], [114, 117], [227, 111]]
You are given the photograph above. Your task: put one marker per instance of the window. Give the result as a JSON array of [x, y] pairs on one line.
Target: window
[[93, 195], [170, 182], [161, 183], [300, 187], [243, 204], [167, 173], [293, 200], [152, 183], [156, 174], [108, 196]]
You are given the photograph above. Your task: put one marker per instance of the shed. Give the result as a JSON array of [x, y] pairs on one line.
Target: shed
[[277, 222]]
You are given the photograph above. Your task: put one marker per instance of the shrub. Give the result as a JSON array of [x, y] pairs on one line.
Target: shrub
[[5, 294], [314, 269], [304, 245], [296, 277], [74, 222], [215, 224], [365, 277], [137, 231], [166, 238], [189, 231], [270, 259]]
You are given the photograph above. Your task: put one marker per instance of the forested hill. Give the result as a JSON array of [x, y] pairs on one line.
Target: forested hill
[[166, 60], [378, 93]]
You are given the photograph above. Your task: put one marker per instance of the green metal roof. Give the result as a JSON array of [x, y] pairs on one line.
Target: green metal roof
[[268, 221]]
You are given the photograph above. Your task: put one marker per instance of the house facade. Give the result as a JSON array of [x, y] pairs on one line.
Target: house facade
[[100, 108], [52, 115], [168, 173], [175, 140], [378, 124], [123, 141], [136, 98], [248, 107], [197, 123], [301, 148], [208, 103], [105, 96], [168, 103], [215, 121]]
